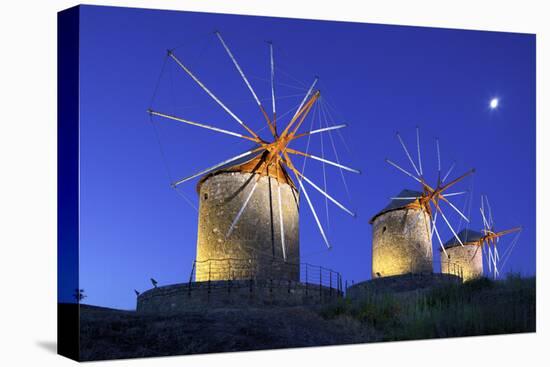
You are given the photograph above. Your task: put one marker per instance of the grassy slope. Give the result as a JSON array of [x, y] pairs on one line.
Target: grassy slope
[[479, 307], [475, 308]]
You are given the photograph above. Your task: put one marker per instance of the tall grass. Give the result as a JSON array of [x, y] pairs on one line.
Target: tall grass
[[477, 307]]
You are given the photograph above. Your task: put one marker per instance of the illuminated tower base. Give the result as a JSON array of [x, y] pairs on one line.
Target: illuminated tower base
[[401, 239], [253, 248]]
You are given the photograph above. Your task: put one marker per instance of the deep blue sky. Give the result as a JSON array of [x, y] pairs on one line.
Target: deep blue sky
[[378, 79]]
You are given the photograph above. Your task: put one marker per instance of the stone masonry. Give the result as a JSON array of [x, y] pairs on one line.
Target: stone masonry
[[256, 237], [401, 243], [466, 258]]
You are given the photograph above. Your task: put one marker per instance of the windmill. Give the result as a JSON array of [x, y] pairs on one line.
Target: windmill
[[403, 231], [249, 201], [470, 257]]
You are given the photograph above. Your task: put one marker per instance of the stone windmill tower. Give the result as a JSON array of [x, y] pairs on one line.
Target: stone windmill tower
[[249, 204], [403, 231], [466, 254], [463, 259], [401, 241], [271, 218]]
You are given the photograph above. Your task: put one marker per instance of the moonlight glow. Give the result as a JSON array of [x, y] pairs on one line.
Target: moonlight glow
[[494, 103]]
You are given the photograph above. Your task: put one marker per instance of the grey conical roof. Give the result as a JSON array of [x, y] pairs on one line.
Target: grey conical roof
[[466, 235], [395, 204]]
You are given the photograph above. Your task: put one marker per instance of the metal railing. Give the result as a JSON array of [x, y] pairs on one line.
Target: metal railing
[[312, 277]]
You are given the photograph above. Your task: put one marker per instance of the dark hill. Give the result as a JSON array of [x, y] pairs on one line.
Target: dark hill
[[476, 308]]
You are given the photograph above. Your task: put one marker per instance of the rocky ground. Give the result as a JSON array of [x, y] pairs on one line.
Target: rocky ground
[[108, 333]]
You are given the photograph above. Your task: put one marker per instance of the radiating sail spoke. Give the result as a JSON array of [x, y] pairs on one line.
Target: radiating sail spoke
[[300, 117], [509, 250], [485, 253], [312, 210], [454, 194], [324, 170], [336, 202], [434, 229], [438, 161], [495, 268], [324, 111], [272, 64], [448, 172], [212, 95], [207, 170], [487, 227], [449, 225], [475, 253], [241, 210], [408, 154], [434, 222], [490, 258], [457, 210], [281, 222], [404, 171], [293, 151], [317, 131], [204, 126], [490, 212], [456, 180], [238, 67], [245, 79], [305, 97], [405, 198], [438, 155], [418, 148]]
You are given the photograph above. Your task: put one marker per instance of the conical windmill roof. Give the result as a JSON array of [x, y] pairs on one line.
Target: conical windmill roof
[[396, 204], [466, 236], [254, 163]]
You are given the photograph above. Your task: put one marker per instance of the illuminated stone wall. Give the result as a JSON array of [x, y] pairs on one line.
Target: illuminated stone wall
[[401, 243], [464, 259], [256, 237]]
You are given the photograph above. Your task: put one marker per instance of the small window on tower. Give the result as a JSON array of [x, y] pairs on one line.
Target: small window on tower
[[384, 229], [205, 196]]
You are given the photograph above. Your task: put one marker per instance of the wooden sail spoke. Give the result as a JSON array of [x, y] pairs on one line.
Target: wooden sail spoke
[[212, 95], [289, 164], [439, 239], [407, 153], [204, 126], [508, 231], [281, 221], [328, 196], [454, 194], [221, 164], [243, 207], [245, 79], [297, 152], [404, 171], [418, 149], [454, 208], [272, 64], [448, 224], [487, 227], [322, 130], [456, 180], [448, 172], [302, 107]]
